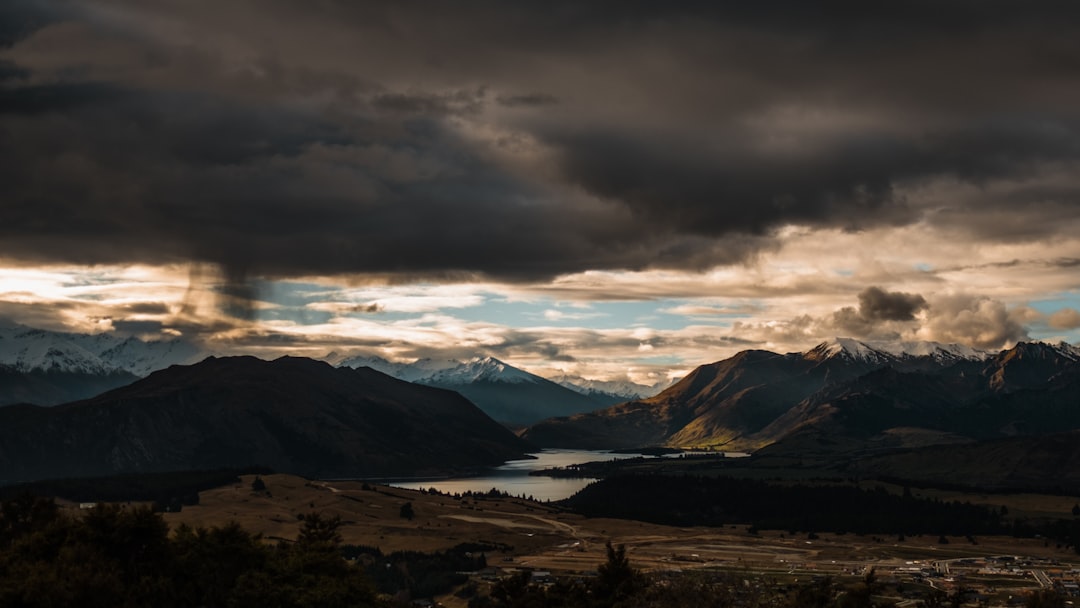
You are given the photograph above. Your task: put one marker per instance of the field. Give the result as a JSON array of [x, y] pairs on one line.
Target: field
[[543, 537]]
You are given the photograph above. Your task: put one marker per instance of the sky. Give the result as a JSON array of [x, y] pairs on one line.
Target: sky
[[608, 189]]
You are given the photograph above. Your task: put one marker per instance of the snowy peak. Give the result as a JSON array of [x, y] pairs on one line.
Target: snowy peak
[[26, 350], [482, 369], [623, 389], [445, 371], [847, 349], [416, 371], [850, 349]]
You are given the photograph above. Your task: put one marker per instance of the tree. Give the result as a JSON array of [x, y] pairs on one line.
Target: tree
[[258, 485], [319, 530], [1046, 598], [616, 578], [407, 512]]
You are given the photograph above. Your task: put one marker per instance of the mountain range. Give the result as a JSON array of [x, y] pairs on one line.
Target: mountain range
[[292, 414], [843, 392], [46, 367], [510, 395]]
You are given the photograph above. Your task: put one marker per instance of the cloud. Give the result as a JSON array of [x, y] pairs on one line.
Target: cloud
[[289, 139], [880, 305], [1066, 318], [974, 320], [881, 314], [527, 100]]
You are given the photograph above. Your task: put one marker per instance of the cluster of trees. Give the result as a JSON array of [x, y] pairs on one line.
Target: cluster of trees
[[113, 556], [619, 585], [616, 584], [420, 574], [715, 501], [168, 491]]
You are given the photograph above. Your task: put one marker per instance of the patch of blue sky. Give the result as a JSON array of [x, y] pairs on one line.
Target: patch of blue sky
[[295, 314], [292, 294], [88, 297], [1054, 303]]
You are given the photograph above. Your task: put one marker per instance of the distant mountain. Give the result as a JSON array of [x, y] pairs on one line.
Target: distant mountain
[[508, 394], [610, 392], [46, 367], [842, 389], [294, 415]]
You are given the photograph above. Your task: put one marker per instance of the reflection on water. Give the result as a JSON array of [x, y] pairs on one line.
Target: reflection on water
[[513, 476]]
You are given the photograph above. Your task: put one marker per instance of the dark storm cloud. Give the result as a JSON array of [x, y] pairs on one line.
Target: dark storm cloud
[[878, 310], [877, 304], [520, 140], [529, 99], [20, 18]]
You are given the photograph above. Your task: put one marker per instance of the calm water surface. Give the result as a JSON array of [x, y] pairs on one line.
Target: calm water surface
[[513, 476]]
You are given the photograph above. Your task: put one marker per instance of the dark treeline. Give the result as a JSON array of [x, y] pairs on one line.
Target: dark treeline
[[168, 490], [704, 501], [111, 556], [421, 574], [1013, 487]]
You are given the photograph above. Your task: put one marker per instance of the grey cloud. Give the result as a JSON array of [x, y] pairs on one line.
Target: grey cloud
[[147, 308], [881, 314], [880, 305], [299, 139], [1066, 318], [527, 100], [974, 320], [127, 326], [431, 105]]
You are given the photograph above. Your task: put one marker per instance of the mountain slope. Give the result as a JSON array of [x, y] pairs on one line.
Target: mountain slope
[[843, 388], [1029, 389], [507, 394], [293, 415], [720, 404], [1031, 463]]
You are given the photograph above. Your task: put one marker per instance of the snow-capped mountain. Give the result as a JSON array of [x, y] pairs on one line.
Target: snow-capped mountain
[[846, 388], [445, 371], [26, 350], [481, 369], [416, 371], [615, 391], [47, 367], [886, 352], [506, 393]]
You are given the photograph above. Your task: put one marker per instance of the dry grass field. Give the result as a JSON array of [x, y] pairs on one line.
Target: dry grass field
[[546, 538]]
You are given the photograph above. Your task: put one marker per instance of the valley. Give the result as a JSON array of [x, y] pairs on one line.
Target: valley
[[548, 538]]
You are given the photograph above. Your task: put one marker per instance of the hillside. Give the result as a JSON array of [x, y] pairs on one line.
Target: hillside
[[721, 404], [843, 389], [1045, 463], [292, 414]]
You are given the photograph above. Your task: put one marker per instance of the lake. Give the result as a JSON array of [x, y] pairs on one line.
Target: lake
[[513, 476]]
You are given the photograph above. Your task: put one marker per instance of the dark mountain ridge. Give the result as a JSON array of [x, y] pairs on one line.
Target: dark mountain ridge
[[843, 389], [294, 415]]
